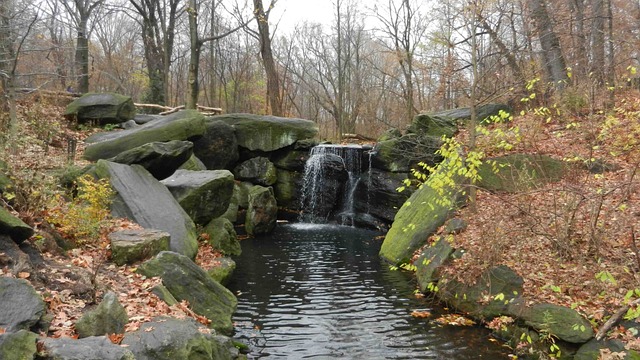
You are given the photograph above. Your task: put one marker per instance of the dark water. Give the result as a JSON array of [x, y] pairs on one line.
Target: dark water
[[321, 292]]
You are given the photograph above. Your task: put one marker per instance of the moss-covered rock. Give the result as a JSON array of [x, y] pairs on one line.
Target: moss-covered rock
[[591, 350], [161, 159], [18, 345], [402, 153], [14, 227], [262, 212], [218, 147], [519, 172], [268, 133], [564, 323], [223, 237], [107, 108], [258, 170], [204, 195], [288, 188], [483, 112], [182, 125], [431, 261], [21, 307], [432, 125], [187, 281], [223, 270], [109, 317], [93, 347], [193, 164], [132, 245]]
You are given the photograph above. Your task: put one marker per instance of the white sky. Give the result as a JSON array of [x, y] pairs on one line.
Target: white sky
[[292, 12]]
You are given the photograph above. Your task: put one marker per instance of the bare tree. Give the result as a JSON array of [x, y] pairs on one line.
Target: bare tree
[[273, 80], [552, 58]]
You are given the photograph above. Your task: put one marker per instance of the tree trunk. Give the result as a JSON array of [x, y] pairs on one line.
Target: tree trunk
[[82, 56], [597, 67], [273, 81], [577, 6], [552, 57], [7, 68], [194, 61]]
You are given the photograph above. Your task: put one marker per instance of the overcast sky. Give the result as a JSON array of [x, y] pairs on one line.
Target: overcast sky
[[291, 12]]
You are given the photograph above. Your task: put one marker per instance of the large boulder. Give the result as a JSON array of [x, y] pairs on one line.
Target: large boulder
[[483, 112], [109, 317], [268, 133], [18, 345], [519, 172], [131, 245], [493, 293], [167, 338], [432, 125], [564, 323], [222, 270], [591, 350], [187, 281], [263, 211], [258, 170], [288, 188], [14, 227], [13, 257], [377, 194], [420, 216], [431, 261], [292, 160], [144, 200], [218, 147], [234, 205], [204, 195], [193, 164], [161, 159], [90, 348], [223, 237], [106, 108], [403, 153], [21, 308], [182, 125]]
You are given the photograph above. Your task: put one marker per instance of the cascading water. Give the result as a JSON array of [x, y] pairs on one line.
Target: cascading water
[[331, 176]]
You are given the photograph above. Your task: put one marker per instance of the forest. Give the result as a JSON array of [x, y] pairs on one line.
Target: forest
[[372, 67]]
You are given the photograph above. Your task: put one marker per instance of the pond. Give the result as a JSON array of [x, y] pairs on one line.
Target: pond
[[321, 292]]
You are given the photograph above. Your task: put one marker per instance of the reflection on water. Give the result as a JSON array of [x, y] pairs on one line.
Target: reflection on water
[[321, 292]]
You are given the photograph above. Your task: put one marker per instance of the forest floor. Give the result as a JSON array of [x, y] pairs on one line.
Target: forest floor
[[572, 241]]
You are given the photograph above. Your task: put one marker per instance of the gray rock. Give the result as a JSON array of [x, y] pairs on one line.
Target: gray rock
[[433, 125], [431, 261], [164, 294], [187, 281], [193, 164], [268, 133], [143, 199], [142, 119], [288, 189], [243, 194], [292, 160], [564, 323], [12, 256], [263, 211], [107, 108], [223, 237], [131, 124], [483, 112], [591, 350], [90, 348], [204, 195], [403, 153], [161, 159], [232, 211], [258, 170], [455, 226], [18, 345], [132, 245], [21, 307], [182, 125], [519, 172], [377, 194], [172, 339], [14, 227], [218, 147], [492, 294], [109, 317], [222, 271]]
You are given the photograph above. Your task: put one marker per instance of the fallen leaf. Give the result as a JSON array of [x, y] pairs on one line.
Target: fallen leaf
[[420, 314]]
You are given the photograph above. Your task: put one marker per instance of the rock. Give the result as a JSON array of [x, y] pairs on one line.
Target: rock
[[390, 134], [14, 227], [223, 271], [482, 112], [268, 133], [187, 281], [258, 170], [161, 159], [292, 160], [204, 195], [288, 189], [263, 211], [12, 256], [182, 125], [600, 166], [492, 295], [431, 261], [418, 218], [519, 172], [18, 345], [403, 153], [21, 307], [432, 125], [564, 323], [193, 164], [132, 245], [218, 147], [131, 124], [243, 194], [107, 108], [171, 339], [164, 294], [144, 200], [109, 317], [377, 194], [591, 350], [455, 226], [90, 348], [142, 119], [223, 237], [232, 211]]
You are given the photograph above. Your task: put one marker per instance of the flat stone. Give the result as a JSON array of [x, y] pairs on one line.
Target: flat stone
[[131, 245]]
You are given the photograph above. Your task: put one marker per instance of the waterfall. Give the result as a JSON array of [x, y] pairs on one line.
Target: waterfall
[[331, 177]]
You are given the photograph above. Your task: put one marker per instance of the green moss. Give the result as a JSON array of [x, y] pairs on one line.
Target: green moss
[[519, 172]]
